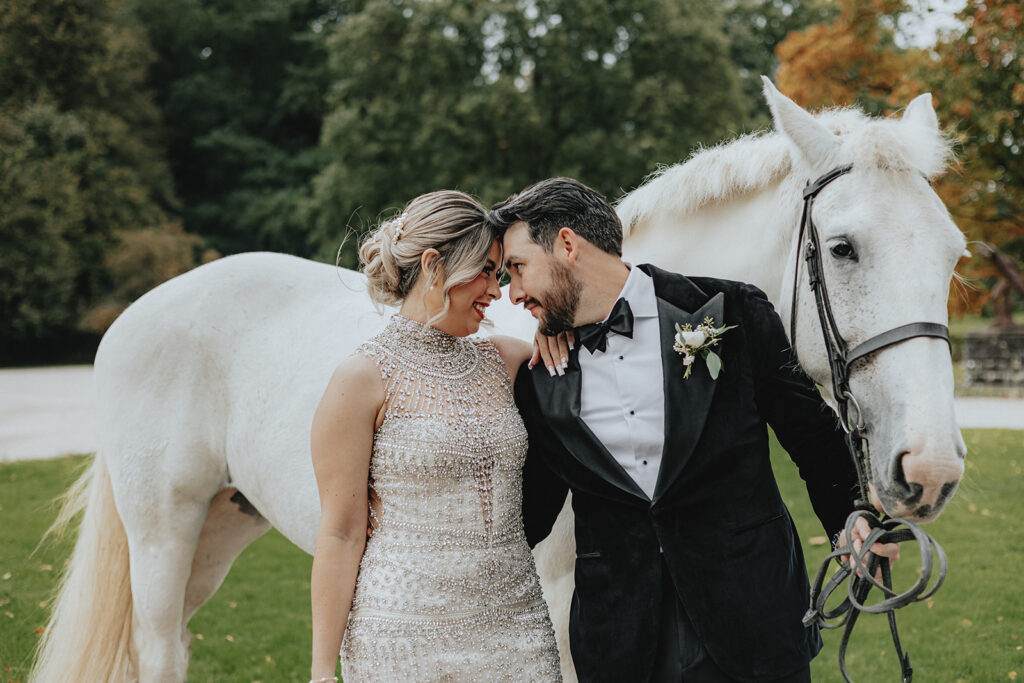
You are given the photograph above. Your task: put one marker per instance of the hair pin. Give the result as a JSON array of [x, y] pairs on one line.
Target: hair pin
[[397, 225]]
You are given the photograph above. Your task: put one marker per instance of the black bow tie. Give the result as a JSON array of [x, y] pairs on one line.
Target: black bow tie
[[595, 335]]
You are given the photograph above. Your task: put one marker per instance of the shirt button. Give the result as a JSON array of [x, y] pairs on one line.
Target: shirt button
[[645, 462], [632, 413], [621, 357]]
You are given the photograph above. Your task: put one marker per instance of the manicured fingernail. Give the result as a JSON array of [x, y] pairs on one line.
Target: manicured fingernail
[[551, 370], [559, 370], [565, 363], [571, 346]]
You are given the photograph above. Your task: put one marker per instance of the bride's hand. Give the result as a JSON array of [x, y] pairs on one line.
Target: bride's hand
[[554, 351]]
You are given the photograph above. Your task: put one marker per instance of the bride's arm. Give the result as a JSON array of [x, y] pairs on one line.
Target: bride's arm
[[513, 352], [341, 441]]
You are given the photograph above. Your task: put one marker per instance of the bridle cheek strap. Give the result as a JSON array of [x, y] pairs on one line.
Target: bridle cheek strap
[[840, 360]]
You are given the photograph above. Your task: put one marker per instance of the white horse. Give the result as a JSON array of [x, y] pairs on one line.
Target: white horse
[[207, 384]]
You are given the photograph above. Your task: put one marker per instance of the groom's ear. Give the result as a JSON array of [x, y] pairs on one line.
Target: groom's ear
[[567, 245]]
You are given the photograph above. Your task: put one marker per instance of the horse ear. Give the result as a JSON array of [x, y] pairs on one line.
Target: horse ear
[[920, 112], [813, 139]]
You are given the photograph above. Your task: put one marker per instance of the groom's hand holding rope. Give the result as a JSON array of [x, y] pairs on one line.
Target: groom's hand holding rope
[[861, 530]]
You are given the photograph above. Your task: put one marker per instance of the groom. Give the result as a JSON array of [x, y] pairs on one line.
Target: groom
[[688, 565]]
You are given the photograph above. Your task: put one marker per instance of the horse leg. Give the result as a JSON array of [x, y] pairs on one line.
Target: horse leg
[[231, 524], [163, 524]]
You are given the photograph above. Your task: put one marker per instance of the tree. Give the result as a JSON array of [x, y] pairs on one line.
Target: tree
[[240, 85], [140, 260], [755, 29], [490, 96], [853, 59], [81, 162], [978, 73]]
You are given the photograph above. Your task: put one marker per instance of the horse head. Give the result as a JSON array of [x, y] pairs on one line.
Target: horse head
[[888, 249]]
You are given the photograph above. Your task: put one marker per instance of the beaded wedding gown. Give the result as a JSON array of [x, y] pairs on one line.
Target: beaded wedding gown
[[447, 587]]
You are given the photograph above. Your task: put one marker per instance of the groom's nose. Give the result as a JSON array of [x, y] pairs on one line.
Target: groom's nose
[[515, 291]]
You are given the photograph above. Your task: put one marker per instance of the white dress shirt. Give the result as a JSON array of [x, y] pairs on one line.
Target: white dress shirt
[[622, 396]]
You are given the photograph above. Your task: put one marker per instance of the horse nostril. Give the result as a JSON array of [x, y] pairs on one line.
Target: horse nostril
[[911, 491], [898, 475], [947, 490]]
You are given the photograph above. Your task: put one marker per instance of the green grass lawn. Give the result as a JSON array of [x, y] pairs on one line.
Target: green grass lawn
[[256, 628], [973, 628]]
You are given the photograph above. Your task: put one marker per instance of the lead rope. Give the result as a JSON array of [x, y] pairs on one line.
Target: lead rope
[[846, 613], [883, 530]]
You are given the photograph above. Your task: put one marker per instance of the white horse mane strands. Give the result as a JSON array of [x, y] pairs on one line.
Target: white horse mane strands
[[753, 162]]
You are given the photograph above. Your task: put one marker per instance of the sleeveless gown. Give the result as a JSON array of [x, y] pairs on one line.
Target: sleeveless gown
[[447, 587]]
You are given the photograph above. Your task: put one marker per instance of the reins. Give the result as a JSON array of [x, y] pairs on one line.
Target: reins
[[883, 530]]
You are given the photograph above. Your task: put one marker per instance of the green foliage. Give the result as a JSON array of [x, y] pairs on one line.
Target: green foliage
[[490, 96], [241, 87], [972, 628], [277, 124], [138, 261], [42, 212], [79, 162], [755, 28]]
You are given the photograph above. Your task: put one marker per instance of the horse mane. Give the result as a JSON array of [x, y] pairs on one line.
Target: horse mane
[[755, 161]]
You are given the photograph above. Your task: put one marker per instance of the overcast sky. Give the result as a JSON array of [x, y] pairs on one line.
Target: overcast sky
[[932, 17]]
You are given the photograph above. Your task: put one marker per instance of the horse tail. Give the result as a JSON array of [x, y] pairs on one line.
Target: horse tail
[[88, 637]]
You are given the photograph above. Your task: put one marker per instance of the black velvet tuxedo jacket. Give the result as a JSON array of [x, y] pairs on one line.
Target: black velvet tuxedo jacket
[[716, 522]]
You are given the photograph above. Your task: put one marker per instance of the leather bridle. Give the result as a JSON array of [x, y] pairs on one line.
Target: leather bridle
[[840, 360]]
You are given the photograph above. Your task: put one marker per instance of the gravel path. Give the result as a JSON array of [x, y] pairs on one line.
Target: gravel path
[[49, 412], [46, 412]]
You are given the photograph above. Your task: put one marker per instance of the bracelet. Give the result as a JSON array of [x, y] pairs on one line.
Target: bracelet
[[325, 679]]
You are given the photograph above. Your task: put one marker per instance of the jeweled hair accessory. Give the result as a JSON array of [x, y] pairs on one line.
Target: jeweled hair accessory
[[397, 225]]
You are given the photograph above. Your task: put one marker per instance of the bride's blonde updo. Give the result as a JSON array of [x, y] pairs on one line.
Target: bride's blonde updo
[[449, 221]]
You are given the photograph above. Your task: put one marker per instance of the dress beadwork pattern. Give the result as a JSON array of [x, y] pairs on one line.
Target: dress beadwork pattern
[[447, 587]]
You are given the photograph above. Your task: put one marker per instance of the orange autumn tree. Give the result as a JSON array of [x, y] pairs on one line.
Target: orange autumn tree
[[977, 74], [975, 77], [853, 59]]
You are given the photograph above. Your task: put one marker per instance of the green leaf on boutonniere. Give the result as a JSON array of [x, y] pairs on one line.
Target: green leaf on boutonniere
[[714, 364]]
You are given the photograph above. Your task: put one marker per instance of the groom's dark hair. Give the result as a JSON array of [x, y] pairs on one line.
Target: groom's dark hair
[[548, 206]]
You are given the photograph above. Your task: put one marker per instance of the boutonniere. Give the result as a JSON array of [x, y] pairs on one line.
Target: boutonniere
[[691, 343]]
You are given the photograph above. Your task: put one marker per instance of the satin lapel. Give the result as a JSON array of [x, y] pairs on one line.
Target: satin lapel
[[686, 400], [559, 402]]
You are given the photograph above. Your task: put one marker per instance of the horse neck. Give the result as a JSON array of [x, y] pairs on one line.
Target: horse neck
[[747, 238]]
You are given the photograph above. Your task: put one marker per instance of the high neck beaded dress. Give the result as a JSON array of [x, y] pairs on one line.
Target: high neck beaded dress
[[447, 587]]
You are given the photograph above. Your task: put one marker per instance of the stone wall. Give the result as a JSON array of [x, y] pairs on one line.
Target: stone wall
[[994, 356]]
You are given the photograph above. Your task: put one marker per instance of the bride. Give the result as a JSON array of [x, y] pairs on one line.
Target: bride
[[446, 587]]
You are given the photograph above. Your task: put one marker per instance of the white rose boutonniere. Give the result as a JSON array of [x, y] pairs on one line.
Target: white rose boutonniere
[[691, 343]]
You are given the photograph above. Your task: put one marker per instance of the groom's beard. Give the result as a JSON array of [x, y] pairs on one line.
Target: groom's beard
[[560, 301]]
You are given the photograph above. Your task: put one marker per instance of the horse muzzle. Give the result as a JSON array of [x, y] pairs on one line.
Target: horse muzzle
[[921, 481]]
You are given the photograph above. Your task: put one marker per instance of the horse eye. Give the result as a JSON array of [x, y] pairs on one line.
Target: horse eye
[[843, 249]]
